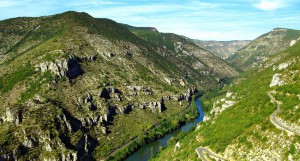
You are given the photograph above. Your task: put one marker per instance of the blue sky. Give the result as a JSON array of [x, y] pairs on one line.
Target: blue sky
[[199, 19]]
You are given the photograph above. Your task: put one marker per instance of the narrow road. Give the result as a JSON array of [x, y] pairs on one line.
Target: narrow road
[[276, 121], [200, 151]]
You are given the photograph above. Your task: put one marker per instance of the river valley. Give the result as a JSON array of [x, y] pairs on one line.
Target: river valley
[[144, 153]]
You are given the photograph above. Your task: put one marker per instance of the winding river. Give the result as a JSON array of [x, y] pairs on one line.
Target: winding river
[[144, 153]]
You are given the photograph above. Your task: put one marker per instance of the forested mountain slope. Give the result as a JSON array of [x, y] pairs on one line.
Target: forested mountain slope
[[74, 87], [174, 47], [255, 118]]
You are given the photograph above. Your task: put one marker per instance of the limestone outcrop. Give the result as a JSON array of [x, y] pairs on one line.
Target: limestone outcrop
[[276, 80], [153, 106], [69, 67], [111, 93], [139, 90], [12, 115]]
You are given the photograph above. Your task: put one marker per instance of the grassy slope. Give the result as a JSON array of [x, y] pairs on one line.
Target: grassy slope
[[239, 123]]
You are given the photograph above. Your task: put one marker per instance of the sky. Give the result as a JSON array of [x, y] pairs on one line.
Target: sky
[[198, 19]]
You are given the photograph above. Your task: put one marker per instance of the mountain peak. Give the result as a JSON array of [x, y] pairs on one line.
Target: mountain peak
[[73, 14]]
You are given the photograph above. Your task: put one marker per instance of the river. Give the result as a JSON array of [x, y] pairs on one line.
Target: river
[[144, 153]]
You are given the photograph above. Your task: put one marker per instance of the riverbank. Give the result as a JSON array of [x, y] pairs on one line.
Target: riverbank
[[159, 131], [150, 150]]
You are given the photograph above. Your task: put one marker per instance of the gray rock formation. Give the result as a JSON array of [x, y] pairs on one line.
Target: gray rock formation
[[69, 157], [111, 93], [29, 142], [139, 90], [153, 106], [183, 97], [66, 120], [86, 102], [92, 121], [12, 115], [69, 67], [86, 146]]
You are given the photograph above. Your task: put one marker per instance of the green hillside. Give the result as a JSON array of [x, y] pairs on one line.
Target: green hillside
[[247, 130], [83, 88]]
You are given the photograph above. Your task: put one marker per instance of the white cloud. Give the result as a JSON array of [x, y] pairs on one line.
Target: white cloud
[[6, 3], [269, 5]]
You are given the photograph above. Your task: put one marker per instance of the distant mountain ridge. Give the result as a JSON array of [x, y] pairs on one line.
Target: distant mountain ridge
[[267, 44], [168, 43], [223, 49]]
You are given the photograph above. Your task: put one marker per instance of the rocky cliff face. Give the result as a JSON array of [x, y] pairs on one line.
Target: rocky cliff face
[[74, 87], [69, 67], [259, 49], [223, 49]]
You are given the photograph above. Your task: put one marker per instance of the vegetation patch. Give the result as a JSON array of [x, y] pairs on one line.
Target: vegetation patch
[[8, 81], [35, 86]]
